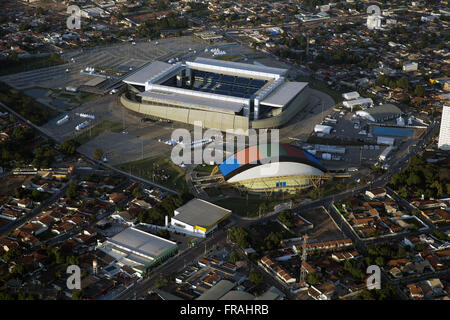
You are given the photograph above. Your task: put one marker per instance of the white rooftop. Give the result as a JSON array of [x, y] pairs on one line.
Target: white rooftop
[[283, 94], [201, 213], [359, 101], [149, 71], [230, 66], [141, 243]]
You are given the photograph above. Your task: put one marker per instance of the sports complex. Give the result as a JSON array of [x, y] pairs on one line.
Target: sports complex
[[220, 94], [259, 169]]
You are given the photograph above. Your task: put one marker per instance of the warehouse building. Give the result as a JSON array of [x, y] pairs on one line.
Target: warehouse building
[[362, 102], [380, 113], [138, 250], [350, 95], [198, 217], [220, 94], [320, 128]]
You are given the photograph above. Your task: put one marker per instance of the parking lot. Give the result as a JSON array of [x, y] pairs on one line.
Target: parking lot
[[350, 132], [121, 56]]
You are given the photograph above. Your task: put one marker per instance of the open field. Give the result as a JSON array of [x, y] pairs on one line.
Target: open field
[[99, 128], [28, 107], [159, 169], [204, 168], [247, 208], [10, 66], [79, 98], [11, 182], [324, 228]]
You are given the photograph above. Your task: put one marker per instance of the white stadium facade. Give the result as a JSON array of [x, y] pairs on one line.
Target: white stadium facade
[[259, 169], [220, 94]]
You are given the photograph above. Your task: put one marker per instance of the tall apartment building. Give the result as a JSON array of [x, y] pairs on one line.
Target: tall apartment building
[[444, 133]]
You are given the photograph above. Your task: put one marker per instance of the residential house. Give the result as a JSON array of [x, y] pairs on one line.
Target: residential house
[[377, 193]]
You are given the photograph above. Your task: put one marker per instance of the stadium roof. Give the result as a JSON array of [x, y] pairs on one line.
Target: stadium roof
[[199, 212], [236, 68], [192, 101], [147, 72], [141, 243], [284, 94], [254, 154]]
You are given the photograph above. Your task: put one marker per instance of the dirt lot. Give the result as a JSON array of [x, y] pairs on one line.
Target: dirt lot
[[11, 182], [324, 228]]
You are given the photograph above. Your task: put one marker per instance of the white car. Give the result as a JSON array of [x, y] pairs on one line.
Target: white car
[[113, 91]]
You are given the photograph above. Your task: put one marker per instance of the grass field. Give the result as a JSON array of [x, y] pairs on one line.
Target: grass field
[[98, 129], [204, 168], [154, 169], [246, 208], [26, 106], [10, 66], [77, 98], [213, 192]]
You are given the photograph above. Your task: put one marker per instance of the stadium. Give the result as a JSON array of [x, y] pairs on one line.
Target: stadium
[[257, 169], [220, 94]]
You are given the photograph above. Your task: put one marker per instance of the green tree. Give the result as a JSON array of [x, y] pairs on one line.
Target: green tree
[[419, 91], [379, 261], [285, 217], [255, 277], [98, 154], [413, 179], [138, 193], [163, 233], [313, 278], [77, 295], [272, 241], [72, 189], [72, 260], [403, 83], [239, 236], [69, 147], [234, 257]]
